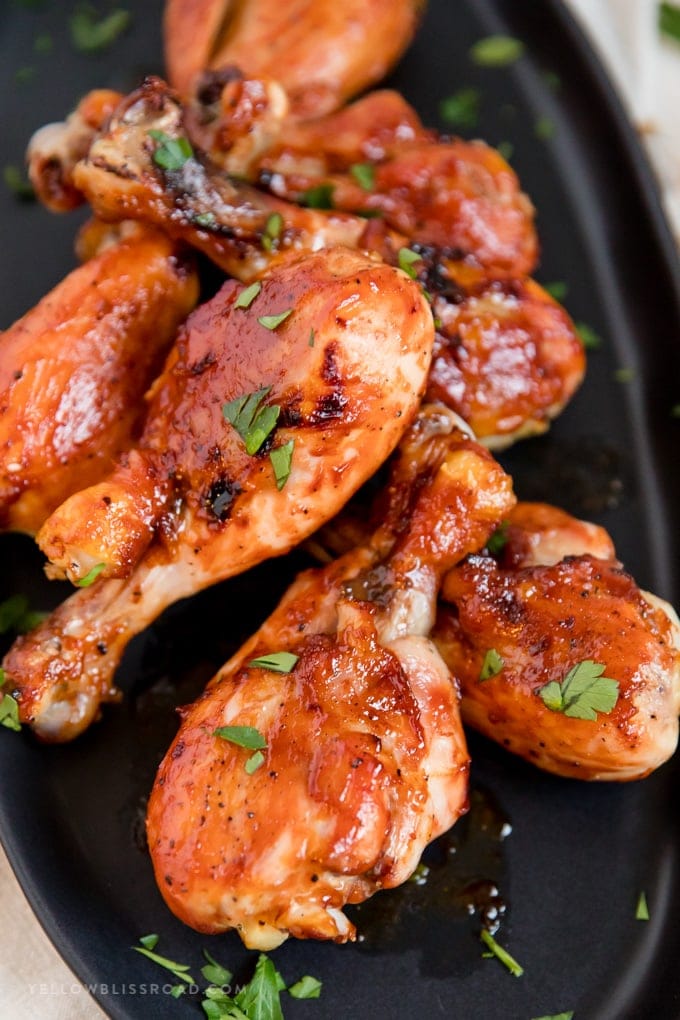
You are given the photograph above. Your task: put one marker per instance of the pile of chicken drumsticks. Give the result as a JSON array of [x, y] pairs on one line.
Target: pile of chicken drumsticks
[[375, 310]]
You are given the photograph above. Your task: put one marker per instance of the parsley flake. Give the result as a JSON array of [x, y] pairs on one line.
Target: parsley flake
[[502, 954], [624, 375], [91, 36], [247, 296], [91, 576], [178, 970], [9, 710], [177, 990], [15, 615], [207, 220], [18, 183], [588, 337], [274, 321], [461, 109], [277, 662], [669, 21], [261, 996], [149, 941], [214, 972], [406, 257], [272, 230], [558, 289], [556, 1016], [254, 762], [505, 149], [364, 175], [253, 422], [306, 988], [583, 693], [642, 910], [242, 736], [492, 665], [497, 542], [320, 197], [544, 128], [496, 51], [282, 460], [171, 153]]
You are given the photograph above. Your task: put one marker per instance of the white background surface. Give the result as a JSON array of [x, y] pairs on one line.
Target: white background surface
[[34, 982]]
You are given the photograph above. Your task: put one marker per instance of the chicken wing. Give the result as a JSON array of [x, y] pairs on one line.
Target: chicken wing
[[74, 371], [317, 374], [548, 618], [365, 759], [322, 52]]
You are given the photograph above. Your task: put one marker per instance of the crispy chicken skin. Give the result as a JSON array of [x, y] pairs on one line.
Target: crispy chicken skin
[[365, 760], [507, 357], [322, 52], [189, 506], [74, 370], [544, 614]]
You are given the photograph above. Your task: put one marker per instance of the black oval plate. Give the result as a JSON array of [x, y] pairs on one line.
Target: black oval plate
[[579, 855]]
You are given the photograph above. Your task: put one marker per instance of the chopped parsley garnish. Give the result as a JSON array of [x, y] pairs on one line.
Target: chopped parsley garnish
[[498, 540], [320, 197], [583, 693], [171, 153], [364, 175], [496, 51], [214, 972], [461, 109], [16, 615], [24, 75], [91, 576], [588, 337], [253, 422], [178, 970], [247, 296], [254, 762], [558, 289], [420, 875], [544, 128], [9, 710], [242, 736], [90, 35], [272, 230], [669, 21], [506, 150], [556, 1016], [206, 219], [277, 662], [43, 43], [502, 954], [642, 910], [282, 460], [406, 257], [624, 375], [274, 321], [552, 80], [306, 988], [260, 999], [18, 183], [492, 665]]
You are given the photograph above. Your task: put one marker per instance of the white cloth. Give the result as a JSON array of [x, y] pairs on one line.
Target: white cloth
[[34, 981]]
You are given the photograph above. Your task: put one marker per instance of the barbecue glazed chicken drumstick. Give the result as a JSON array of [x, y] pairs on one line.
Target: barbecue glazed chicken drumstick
[[363, 759], [582, 672], [74, 370], [507, 357], [321, 51], [273, 408]]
